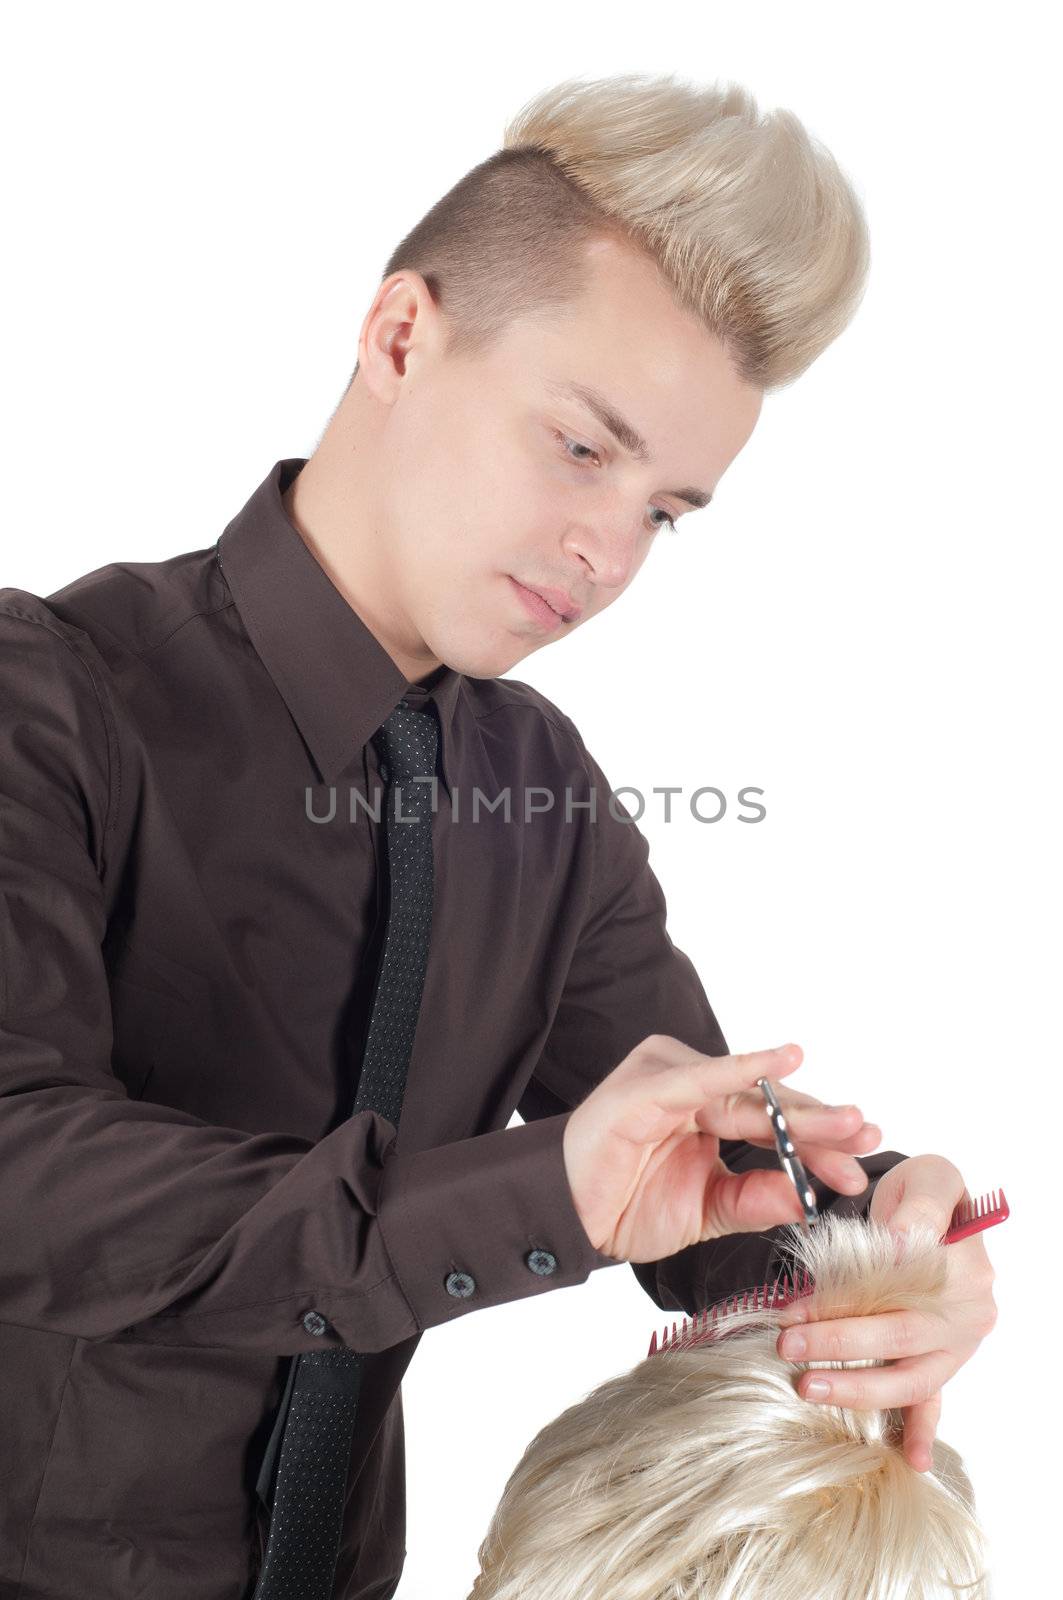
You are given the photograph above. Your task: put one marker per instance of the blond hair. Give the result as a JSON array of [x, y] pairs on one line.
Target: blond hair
[[702, 1474], [749, 219]]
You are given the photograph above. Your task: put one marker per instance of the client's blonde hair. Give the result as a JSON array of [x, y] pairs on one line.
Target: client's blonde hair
[[702, 1474]]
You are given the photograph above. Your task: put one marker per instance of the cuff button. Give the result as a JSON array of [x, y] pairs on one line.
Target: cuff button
[[460, 1284], [542, 1262], [314, 1322]]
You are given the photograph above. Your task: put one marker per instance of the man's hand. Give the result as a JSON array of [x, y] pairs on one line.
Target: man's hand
[[642, 1152], [923, 1351]]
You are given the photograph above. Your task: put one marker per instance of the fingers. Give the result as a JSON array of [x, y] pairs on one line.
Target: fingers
[[823, 1136], [860, 1137], [835, 1167], [862, 1143], [789, 1097], [842, 1127], [909, 1382], [719, 1095], [750, 1202], [920, 1431], [693, 1077], [830, 1134], [886, 1336]]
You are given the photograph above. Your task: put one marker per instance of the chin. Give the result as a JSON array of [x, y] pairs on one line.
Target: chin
[[484, 661], [487, 656]]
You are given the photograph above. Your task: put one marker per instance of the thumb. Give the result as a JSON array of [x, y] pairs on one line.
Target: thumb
[[920, 1192], [749, 1202]]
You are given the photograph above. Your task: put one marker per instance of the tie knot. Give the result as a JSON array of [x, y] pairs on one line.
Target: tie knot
[[407, 742]]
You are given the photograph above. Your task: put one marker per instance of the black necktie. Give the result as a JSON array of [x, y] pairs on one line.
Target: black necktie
[[315, 1423]]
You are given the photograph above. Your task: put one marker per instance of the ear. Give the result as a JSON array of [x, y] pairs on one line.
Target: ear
[[401, 324]]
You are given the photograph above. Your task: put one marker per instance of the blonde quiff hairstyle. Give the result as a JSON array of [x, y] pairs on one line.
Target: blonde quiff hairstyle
[[748, 218], [701, 1474]]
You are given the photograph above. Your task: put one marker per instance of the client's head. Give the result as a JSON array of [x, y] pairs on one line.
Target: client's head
[[701, 1474]]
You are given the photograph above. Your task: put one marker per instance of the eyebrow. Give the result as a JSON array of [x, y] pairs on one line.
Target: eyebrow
[[625, 434]]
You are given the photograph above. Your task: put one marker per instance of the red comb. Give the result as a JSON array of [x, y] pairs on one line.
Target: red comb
[[970, 1216]]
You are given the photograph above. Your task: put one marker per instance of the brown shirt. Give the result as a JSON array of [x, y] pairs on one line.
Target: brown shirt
[[190, 912]]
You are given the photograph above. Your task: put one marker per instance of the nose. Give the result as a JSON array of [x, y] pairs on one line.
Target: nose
[[610, 556]]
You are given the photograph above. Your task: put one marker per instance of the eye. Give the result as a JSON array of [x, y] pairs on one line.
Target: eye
[[667, 520]]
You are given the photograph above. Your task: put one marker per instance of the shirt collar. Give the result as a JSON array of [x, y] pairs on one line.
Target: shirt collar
[[336, 678]]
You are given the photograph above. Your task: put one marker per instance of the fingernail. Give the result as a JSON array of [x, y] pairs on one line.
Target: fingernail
[[818, 1389], [794, 1345]]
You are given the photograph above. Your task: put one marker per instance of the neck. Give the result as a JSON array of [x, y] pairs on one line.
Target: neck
[[333, 506]]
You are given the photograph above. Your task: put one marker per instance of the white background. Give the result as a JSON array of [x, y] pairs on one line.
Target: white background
[[200, 202]]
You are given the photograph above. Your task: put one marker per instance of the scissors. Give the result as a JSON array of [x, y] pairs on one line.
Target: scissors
[[791, 1161]]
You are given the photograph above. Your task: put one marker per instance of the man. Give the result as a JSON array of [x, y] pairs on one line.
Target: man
[[196, 901]]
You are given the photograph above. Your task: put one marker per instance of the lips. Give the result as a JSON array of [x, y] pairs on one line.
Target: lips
[[558, 601], [536, 605]]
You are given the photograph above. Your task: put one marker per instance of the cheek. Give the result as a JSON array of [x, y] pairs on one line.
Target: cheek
[[645, 545], [512, 519], [480, 499]]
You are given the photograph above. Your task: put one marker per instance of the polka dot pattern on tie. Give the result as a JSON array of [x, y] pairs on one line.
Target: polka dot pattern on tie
[[407, 743], [300, 1557]]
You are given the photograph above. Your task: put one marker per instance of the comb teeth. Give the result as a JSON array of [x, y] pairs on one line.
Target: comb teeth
[[969, 1217], [711, 1323]]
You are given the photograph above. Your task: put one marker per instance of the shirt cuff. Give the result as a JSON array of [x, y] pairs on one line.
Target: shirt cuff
[[484, 1220]]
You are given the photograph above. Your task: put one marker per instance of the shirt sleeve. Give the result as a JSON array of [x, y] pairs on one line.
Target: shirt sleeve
[[124, 1219], [627, 980]]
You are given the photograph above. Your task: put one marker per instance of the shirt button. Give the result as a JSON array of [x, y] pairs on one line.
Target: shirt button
[[460, 1284], [541, 1261], [314, 1322]]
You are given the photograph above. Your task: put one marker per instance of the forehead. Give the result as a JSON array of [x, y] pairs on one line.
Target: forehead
[[658, 367], [657, 364]]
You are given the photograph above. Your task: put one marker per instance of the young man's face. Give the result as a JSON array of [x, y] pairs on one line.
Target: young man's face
[[494, 482]]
